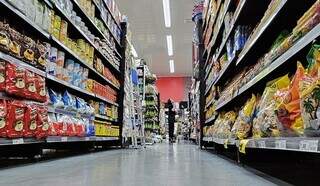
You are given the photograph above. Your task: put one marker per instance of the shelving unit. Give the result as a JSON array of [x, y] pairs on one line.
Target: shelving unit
[[259, 61], [14, 10]]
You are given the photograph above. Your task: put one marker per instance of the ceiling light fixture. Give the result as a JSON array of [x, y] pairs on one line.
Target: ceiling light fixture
[[171, 62], [166, 13], [169, 45]]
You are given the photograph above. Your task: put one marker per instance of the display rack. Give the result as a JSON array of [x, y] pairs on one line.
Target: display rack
[[234, 72], [102, 55]]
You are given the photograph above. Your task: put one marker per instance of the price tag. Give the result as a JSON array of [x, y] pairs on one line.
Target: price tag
[[243, 145], [64, 139], [261, 144], [17, 141], [281, 144], [87, 139], [309, 145], [104, 138], [225, 143]]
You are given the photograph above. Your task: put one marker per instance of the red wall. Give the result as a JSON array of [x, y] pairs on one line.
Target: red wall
[[173, 88]]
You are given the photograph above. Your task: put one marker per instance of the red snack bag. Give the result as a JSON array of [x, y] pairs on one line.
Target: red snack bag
[[31, 89], [2, 75], [53, 125], [30, 121], [43, 124], [3, 123], [15, 118], [41, 94], [15, 80], [62, 125]]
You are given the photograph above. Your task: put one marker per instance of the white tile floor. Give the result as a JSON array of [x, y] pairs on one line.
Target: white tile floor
[[163, 165]]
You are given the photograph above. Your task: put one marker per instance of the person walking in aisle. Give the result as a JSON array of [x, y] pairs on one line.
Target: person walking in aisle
[[171, 119]]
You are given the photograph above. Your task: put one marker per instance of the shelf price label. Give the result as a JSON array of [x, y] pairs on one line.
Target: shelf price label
[[87, 139], [17, 141], [261, 144], [309, 145], [281, 144], [64, 139]]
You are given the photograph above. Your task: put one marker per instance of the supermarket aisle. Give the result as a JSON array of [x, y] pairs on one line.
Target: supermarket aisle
[[158, 165]]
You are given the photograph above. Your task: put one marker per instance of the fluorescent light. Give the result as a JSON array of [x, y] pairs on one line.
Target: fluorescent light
[[169, 45], [166, 13], [171, 62]]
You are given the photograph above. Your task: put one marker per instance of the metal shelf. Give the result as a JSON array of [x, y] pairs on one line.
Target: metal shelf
[[104, 118], [299, 45], [67, 112], [209, 103], [50, 77], [19, 141], [113, 35], [93, 24], [61, 139], [258, 32], [235, 19], [20, 63], [210, 119], [85, 36], [26, 19], [105, 100]]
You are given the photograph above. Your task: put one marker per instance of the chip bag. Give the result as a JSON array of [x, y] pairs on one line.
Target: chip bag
[[3, 119], [30, 120], [15, 119], [2, 75], [43, 124], [15, 80], [242, 126], [265, 124]]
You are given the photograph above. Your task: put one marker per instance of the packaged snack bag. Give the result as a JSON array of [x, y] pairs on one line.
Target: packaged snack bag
[[266, 124], [2, 75], [310, 102], [71, 127], [43, 124], [15, 119], [242, 125], [30, 120], [3, 119], [31, 89], [15, 80], [53, 125], [288, 103], [62, 124], [41, 89], [313, 59]]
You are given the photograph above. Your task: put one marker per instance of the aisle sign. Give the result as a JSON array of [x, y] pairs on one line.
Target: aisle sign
[[17, 141], [281, 144], [261, 144], [309, 145]]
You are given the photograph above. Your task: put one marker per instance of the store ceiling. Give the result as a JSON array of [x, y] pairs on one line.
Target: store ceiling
[[146, 22]]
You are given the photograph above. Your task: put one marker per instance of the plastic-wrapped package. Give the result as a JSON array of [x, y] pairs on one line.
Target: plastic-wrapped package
[[80, 105], [2, 75], [15, 119], [71, 129], [43, 124], [266, 124], [55, 99], [54, 125], [243, 123], [15, 80], [31, 89], [226, 125], [69, 101], [31, 121], [288, 104], [62, 123], [41, 94], [3, 119]]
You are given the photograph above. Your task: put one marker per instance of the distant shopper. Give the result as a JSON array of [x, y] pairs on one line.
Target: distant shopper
[[171, 119]]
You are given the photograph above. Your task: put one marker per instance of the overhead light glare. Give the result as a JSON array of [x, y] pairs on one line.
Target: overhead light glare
[[166, 13], [171, 62], [169, 45]]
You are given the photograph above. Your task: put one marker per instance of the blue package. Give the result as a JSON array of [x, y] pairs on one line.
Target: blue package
[[102, 108]]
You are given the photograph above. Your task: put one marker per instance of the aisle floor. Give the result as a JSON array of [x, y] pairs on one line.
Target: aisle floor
[[163, 165]]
